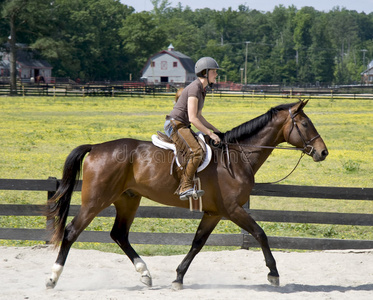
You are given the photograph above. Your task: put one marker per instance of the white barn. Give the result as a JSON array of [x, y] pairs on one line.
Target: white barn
[[169, 66]]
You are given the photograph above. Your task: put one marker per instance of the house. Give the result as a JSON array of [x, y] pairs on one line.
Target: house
[[367, 75], [169, 66], [29, 67]]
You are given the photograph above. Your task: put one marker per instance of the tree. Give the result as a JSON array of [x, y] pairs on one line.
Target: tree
[[284, 69], [12, 11], [141, 38], [321, 52], [344, 35], [105, 39], [179, 31], [84, 42], [304, 20], [27, 19]]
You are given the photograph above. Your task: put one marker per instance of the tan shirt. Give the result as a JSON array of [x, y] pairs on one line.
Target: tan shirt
[[180, 110]]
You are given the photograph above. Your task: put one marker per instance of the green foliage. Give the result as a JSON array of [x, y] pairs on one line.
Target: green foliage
[[351, 166], [106, 39], [141, 38]]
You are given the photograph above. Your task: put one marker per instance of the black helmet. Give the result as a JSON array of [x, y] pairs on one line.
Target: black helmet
[[205, 63]]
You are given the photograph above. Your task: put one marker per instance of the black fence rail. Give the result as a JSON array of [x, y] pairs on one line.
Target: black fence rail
[[243, 240]]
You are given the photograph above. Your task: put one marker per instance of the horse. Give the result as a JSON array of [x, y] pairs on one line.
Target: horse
[[178, 93], [122, 171]]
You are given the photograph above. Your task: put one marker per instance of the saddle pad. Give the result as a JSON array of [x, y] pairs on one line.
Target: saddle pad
[[169, 146]]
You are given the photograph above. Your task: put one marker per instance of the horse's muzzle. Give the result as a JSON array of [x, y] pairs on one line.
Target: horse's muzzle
[[320, 155]]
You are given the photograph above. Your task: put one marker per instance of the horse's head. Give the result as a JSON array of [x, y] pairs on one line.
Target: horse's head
[[299, 131]]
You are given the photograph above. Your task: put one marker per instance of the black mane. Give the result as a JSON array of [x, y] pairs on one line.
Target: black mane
[[252, 127]]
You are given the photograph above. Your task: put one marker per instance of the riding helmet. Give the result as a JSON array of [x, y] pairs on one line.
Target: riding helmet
[[205, 63]]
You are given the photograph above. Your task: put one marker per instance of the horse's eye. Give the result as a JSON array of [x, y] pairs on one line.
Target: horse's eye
[[304, 123]]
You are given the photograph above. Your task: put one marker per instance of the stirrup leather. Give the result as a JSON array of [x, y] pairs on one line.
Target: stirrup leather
[[195, 197]]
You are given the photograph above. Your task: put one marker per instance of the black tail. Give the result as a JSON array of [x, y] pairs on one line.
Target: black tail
[[59, 204]]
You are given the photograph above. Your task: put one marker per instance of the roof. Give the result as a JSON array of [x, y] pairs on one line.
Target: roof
[[26, 58], [369, 70], [185, 60]]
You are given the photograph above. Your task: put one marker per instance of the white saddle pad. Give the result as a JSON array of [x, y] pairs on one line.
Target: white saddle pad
[[169, 146]]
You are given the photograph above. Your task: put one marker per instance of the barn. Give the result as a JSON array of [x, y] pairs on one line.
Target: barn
[[169, 66], [29, 66], [367, 75]]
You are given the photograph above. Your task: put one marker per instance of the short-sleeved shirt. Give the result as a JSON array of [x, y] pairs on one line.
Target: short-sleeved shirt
[[180, 110]]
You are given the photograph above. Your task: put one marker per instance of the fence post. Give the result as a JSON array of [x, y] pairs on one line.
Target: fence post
[[50, 221], [245, 234]]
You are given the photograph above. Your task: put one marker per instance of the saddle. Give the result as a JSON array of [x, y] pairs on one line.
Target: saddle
[[161, 140]]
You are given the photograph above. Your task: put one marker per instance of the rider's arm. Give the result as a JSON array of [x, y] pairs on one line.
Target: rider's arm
[[194, 118], [206, 123]]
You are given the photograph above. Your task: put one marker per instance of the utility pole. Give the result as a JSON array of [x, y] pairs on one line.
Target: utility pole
[[247, 42], [364, 51]]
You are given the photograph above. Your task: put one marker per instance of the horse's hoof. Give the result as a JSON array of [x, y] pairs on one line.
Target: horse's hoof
[[147, 280], [177, 286], [274, 280], [50, 283]]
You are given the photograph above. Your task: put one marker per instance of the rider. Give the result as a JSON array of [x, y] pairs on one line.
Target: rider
[[187, 111]]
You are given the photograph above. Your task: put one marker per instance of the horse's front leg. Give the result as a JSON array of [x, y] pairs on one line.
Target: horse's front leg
[[206, 226], [240, 217]]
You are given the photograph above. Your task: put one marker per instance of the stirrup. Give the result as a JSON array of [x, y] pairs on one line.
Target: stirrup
[[195, 194]]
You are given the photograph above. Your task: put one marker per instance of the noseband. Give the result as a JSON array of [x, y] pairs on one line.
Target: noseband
[[307, 144]]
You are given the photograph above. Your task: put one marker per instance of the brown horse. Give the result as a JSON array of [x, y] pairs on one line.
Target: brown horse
[[178, 93], [120, 172]]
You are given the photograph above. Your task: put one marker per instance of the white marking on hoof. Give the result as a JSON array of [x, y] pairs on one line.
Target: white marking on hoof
[[274, 280], [51, 282], [177, 286], [141, 267]]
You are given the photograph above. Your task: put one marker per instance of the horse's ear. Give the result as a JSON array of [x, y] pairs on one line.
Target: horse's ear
[[297, 107], [305, 103]]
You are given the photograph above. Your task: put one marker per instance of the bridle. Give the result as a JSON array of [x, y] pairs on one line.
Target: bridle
[[306, 144]]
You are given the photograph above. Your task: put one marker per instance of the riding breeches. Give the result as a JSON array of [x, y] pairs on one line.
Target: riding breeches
[[188, 145]]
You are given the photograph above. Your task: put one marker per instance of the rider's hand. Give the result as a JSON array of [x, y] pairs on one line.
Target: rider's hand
[[215, 138]]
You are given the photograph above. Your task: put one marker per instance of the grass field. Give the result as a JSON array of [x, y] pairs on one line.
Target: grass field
[[38, 133]]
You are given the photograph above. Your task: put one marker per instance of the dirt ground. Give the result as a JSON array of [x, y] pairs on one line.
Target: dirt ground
[[239, 274]]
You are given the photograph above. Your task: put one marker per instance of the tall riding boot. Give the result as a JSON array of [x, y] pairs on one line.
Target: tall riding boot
[[187, 183]]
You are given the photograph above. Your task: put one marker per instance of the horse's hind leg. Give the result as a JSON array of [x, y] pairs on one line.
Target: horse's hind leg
[[126, 208], [72, 231]]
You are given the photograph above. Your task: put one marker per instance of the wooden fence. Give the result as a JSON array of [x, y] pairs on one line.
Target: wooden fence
[[243, 240], [90, 90], [140, 89]]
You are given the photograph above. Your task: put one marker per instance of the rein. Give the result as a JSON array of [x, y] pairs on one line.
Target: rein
[[266, 147]]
